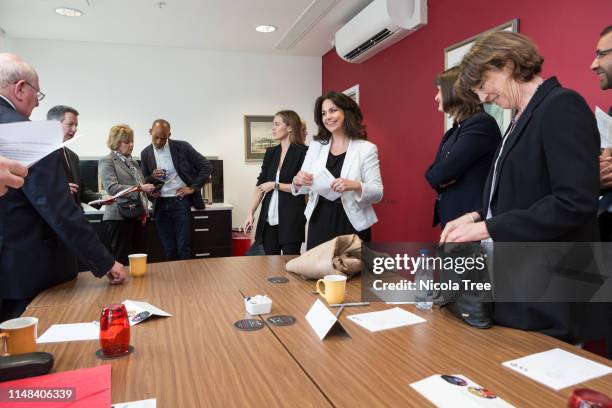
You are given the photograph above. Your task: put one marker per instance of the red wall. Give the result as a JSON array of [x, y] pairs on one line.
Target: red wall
[[397, 91]]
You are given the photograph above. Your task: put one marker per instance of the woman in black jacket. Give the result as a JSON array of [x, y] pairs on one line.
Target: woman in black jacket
[[459, 171], [281, 219]]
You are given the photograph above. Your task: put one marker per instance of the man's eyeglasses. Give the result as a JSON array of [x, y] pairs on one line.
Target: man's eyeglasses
[[602, 53], [39, 95]]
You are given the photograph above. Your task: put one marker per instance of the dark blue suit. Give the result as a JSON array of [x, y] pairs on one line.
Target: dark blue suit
[[39, 225], [463, 159]]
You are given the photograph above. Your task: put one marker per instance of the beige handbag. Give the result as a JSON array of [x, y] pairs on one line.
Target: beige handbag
[[339, 256]]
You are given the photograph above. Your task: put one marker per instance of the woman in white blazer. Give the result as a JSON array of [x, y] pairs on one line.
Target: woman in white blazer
[[339, 148]]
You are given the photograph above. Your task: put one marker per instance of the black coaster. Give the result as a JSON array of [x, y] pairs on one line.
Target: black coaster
[[281, 320], [103, 357], [249, 324], [278, 279]]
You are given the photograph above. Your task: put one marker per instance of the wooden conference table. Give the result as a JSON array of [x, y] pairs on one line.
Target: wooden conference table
[[198, 359]]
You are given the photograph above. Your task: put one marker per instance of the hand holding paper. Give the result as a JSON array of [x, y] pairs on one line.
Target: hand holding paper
[[322, 185], [109, 199]]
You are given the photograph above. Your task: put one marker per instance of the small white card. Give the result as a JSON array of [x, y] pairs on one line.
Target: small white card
[[322, 320], [70, 332], [386, 319], [604, 125], [452, 391], [321, 184], [140, 311], [149, 403], [558, 368]]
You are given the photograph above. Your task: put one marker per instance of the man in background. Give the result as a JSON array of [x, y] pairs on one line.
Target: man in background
[[183, 171], [37, 218], [68, 117]]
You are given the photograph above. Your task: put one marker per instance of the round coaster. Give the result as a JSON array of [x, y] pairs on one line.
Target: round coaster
[[281, 320], [278, 279], [103, 357], [249, 324]]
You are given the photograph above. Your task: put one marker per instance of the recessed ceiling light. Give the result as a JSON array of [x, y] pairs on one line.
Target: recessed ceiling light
[[68, 12], [265, 28]]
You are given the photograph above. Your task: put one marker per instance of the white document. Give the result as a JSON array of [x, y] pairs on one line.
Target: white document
[[320, 319], [149, 403], [321, 184], [444, 394], [604, 124], [70, 332], [558, 368], [386, 319], [119, 194], [28, 142], [140, 311]]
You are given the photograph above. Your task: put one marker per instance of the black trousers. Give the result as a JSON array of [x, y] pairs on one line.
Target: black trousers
[[122, 241], [12, 308], [273, 247]]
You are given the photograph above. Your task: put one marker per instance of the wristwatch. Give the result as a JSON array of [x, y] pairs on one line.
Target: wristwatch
[[276, 186]]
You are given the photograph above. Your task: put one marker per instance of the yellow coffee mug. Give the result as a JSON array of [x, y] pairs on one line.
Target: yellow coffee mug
[[138, 264], [18, 335], [335, 286]]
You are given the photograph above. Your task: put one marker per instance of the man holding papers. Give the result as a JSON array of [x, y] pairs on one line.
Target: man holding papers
[[36, 219]]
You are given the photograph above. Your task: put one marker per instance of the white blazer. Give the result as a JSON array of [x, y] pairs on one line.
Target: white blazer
[[360, 164]]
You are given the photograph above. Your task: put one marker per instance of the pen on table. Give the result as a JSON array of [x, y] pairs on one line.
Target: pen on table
[[350, 304], [339, 311]]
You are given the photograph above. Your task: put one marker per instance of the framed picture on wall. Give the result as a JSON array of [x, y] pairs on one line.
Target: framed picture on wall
[[353, 93], [257, 136], [453, 56]]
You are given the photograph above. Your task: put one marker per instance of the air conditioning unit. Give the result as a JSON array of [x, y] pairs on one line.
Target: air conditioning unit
[[381, 24]]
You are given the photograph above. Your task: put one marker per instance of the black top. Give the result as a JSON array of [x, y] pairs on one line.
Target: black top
[[291, 219], [461, 166], [35, 223]]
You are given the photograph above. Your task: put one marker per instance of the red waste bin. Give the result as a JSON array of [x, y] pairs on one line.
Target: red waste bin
[[241, 242]]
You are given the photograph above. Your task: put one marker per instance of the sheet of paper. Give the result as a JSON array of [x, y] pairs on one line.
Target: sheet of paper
[[604, 124], [444, 394], [558, 368], [89, 387], [320, 319], [386, 319], [149, 403], [140, 311], [70, 332], [119, 194], [321, 184], [28, 142]]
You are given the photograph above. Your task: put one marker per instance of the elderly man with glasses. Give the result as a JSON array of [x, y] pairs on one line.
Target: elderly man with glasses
[[41, 223]]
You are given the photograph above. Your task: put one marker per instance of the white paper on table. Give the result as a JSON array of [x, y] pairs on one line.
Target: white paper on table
[[135, 308], [443, 394], [604, 124], [70, 332], [320, 319], [386, 319], [28, 142], [148, 403], [321, 184], [558, 368]]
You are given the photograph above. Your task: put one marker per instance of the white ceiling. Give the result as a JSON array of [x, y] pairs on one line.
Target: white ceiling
[[228, 25]]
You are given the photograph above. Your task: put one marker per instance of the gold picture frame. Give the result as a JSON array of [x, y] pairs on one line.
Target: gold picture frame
[[257, 136]]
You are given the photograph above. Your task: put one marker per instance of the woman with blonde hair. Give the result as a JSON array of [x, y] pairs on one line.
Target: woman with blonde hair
[[125, 217]]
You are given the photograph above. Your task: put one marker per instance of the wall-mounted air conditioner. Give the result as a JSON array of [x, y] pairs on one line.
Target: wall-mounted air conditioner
[[379, 25]]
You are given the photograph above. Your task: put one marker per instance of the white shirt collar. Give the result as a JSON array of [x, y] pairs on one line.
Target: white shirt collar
[[161, 149], [8, 100]]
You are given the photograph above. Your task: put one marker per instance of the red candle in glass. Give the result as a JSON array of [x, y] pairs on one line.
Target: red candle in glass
[[114, 330]]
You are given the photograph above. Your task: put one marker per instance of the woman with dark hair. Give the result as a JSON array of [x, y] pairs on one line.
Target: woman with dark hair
[[543, 187], [342, 161], [460, 169], [281, 220]]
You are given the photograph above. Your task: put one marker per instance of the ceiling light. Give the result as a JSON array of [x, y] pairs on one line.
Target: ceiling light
[[68, 12], [265, 28]]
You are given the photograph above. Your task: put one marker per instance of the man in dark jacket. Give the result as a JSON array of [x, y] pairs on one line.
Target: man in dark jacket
[[34, 219], [182, 172]]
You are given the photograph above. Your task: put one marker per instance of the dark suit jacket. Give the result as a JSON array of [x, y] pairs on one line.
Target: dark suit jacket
[[291, 219], [465, 155], [546, 190], [191, 166], [35, 223], [85, 194]]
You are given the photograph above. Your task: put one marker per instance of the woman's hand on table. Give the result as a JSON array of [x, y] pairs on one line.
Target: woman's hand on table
[[116, 274]]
